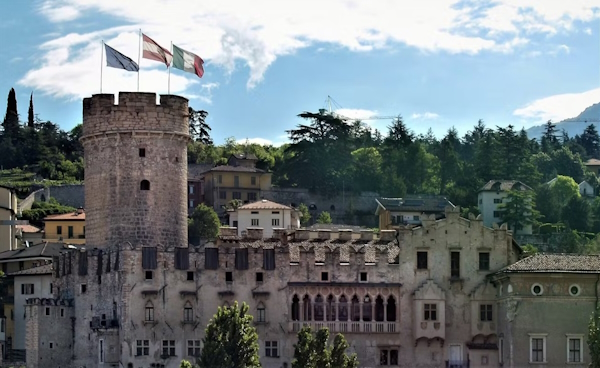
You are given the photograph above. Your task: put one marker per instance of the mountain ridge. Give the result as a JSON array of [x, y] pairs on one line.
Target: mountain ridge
[[573, 126]]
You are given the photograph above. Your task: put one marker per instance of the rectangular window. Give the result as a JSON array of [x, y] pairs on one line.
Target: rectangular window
[[59, 230], [51, 345], [274, 222], [259, 278], [70, 229], [142, 152], [26, 289], [47, 311], [261, 314], [149, 313], [142, 347], [271, 349], [497, 214], [574, 345], [188, 314], [484, 261], [430, 312], [168, 348], [454, 264], [421, 260], [236, 181], [62, 312], [255, 222], [193, 348], [251, 196], [83, 288], [324, 276], [191, 189], [191, 203], [486, 312], [190, 276], [220, 179], [149, 275], [222, 194], [416, 218], [241, 259], [229, 277], [51, 288], [363, 277], [497, 200], [236, 195], [253, 180], [101, 351], [211, 260], [235, 223], [388, 357], [269, 259], [537, 349]]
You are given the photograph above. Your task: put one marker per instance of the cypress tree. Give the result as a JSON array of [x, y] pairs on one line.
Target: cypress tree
[[30, 113], [11, 119]]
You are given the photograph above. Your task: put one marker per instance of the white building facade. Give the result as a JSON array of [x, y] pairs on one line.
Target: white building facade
[[265, 214], [492, 195]]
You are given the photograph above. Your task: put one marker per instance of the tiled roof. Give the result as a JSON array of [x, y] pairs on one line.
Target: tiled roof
[[571, 263], [71, 216], [29, 228], [236, 169], [195, 170], [593, 162], [40, 270], [40, 250], [504, 185], [264, 205], [422, 203], [245, 156]]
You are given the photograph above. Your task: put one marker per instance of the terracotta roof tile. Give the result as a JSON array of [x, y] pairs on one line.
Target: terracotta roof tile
[[40, 270], [73, 216], [593, 162], [504, 185], [29, 228], [227, 168], [264, 205], [571, 263]]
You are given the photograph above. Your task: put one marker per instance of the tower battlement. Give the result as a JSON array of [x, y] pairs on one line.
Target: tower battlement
[[136, 111]]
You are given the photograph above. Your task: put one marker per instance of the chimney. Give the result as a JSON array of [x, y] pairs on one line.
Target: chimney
[[345, 234], [228, 231], [366, 235], [387, 235], [302, 234], [324, 234], [255, 233], [80, 210]]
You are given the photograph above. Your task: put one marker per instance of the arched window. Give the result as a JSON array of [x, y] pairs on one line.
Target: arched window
[[188, 312], [330, 308], [261, 313], [343, 308], [379, 309], [295, 308], [391, 309], [332, 207], [144, 185], [306, 309], [319, 310], [355, 308], [149, 312], [367, 309]]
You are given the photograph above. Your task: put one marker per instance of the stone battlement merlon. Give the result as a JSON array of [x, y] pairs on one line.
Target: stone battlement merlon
[[135, 111]]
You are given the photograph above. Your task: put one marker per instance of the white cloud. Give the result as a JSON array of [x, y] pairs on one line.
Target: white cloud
[[588, 31], [257, 32], [424, 116], [356, 114], [559, 107], [15, 59]]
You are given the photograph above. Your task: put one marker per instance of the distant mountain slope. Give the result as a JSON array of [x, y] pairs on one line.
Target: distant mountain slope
[[572, 126]]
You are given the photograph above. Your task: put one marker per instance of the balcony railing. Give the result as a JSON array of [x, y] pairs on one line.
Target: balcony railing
[[347, 326]]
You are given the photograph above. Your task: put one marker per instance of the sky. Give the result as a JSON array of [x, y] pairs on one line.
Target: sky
[[438, 63]]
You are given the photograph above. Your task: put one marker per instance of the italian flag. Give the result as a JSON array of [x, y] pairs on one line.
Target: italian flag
[[187, 61]]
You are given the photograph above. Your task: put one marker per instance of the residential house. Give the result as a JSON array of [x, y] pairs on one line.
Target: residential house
[[196, 185], [8, 213], [266, 214], [67, 227], [29, 234], [593, 165], [33, 282], [12, 262], [398, 212], [586, 189], [240, 179], [492, 195], [545, 302]]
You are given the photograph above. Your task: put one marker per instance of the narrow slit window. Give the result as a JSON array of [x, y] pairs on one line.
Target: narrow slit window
[[142, 152]]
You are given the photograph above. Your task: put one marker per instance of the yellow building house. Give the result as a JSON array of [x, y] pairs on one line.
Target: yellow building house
[[593, 165], [65, 228], [8, 214], [239, 179]]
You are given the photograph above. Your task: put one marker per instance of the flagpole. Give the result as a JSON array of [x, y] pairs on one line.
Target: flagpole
[[139, 55], [101, 64], [169, 88]]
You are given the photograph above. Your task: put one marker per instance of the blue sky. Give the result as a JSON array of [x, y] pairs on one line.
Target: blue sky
[[438, 63]]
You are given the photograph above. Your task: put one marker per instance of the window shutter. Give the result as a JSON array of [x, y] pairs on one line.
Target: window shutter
[[182, 258], [99, 268], [32, 290], [108, 261], [149, 258], [70, 256], [211, 258], [83, 263], [269, 259], [22, 289], [241, 259], [56, 261]]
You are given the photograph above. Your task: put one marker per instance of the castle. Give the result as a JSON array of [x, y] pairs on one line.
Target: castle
[[436, 295]]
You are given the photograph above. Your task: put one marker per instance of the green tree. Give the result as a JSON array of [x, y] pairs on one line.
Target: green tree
[[231, 340], [39, 210], [10, 124], [324, 218], [304, 356], [339, 358], [518, 209], [30, 115], [576, 214], [186, 364], [305, 218], [313, 351], [321, 349], [199, 129], [590, 140], [366, 169], [564, 188], [593, 339], [203, 225]]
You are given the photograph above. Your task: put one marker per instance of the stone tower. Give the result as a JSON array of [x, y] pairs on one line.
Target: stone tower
[[135, 170]]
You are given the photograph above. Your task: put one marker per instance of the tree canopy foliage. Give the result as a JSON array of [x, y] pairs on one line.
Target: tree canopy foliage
[[313, 350], [203, 225]]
